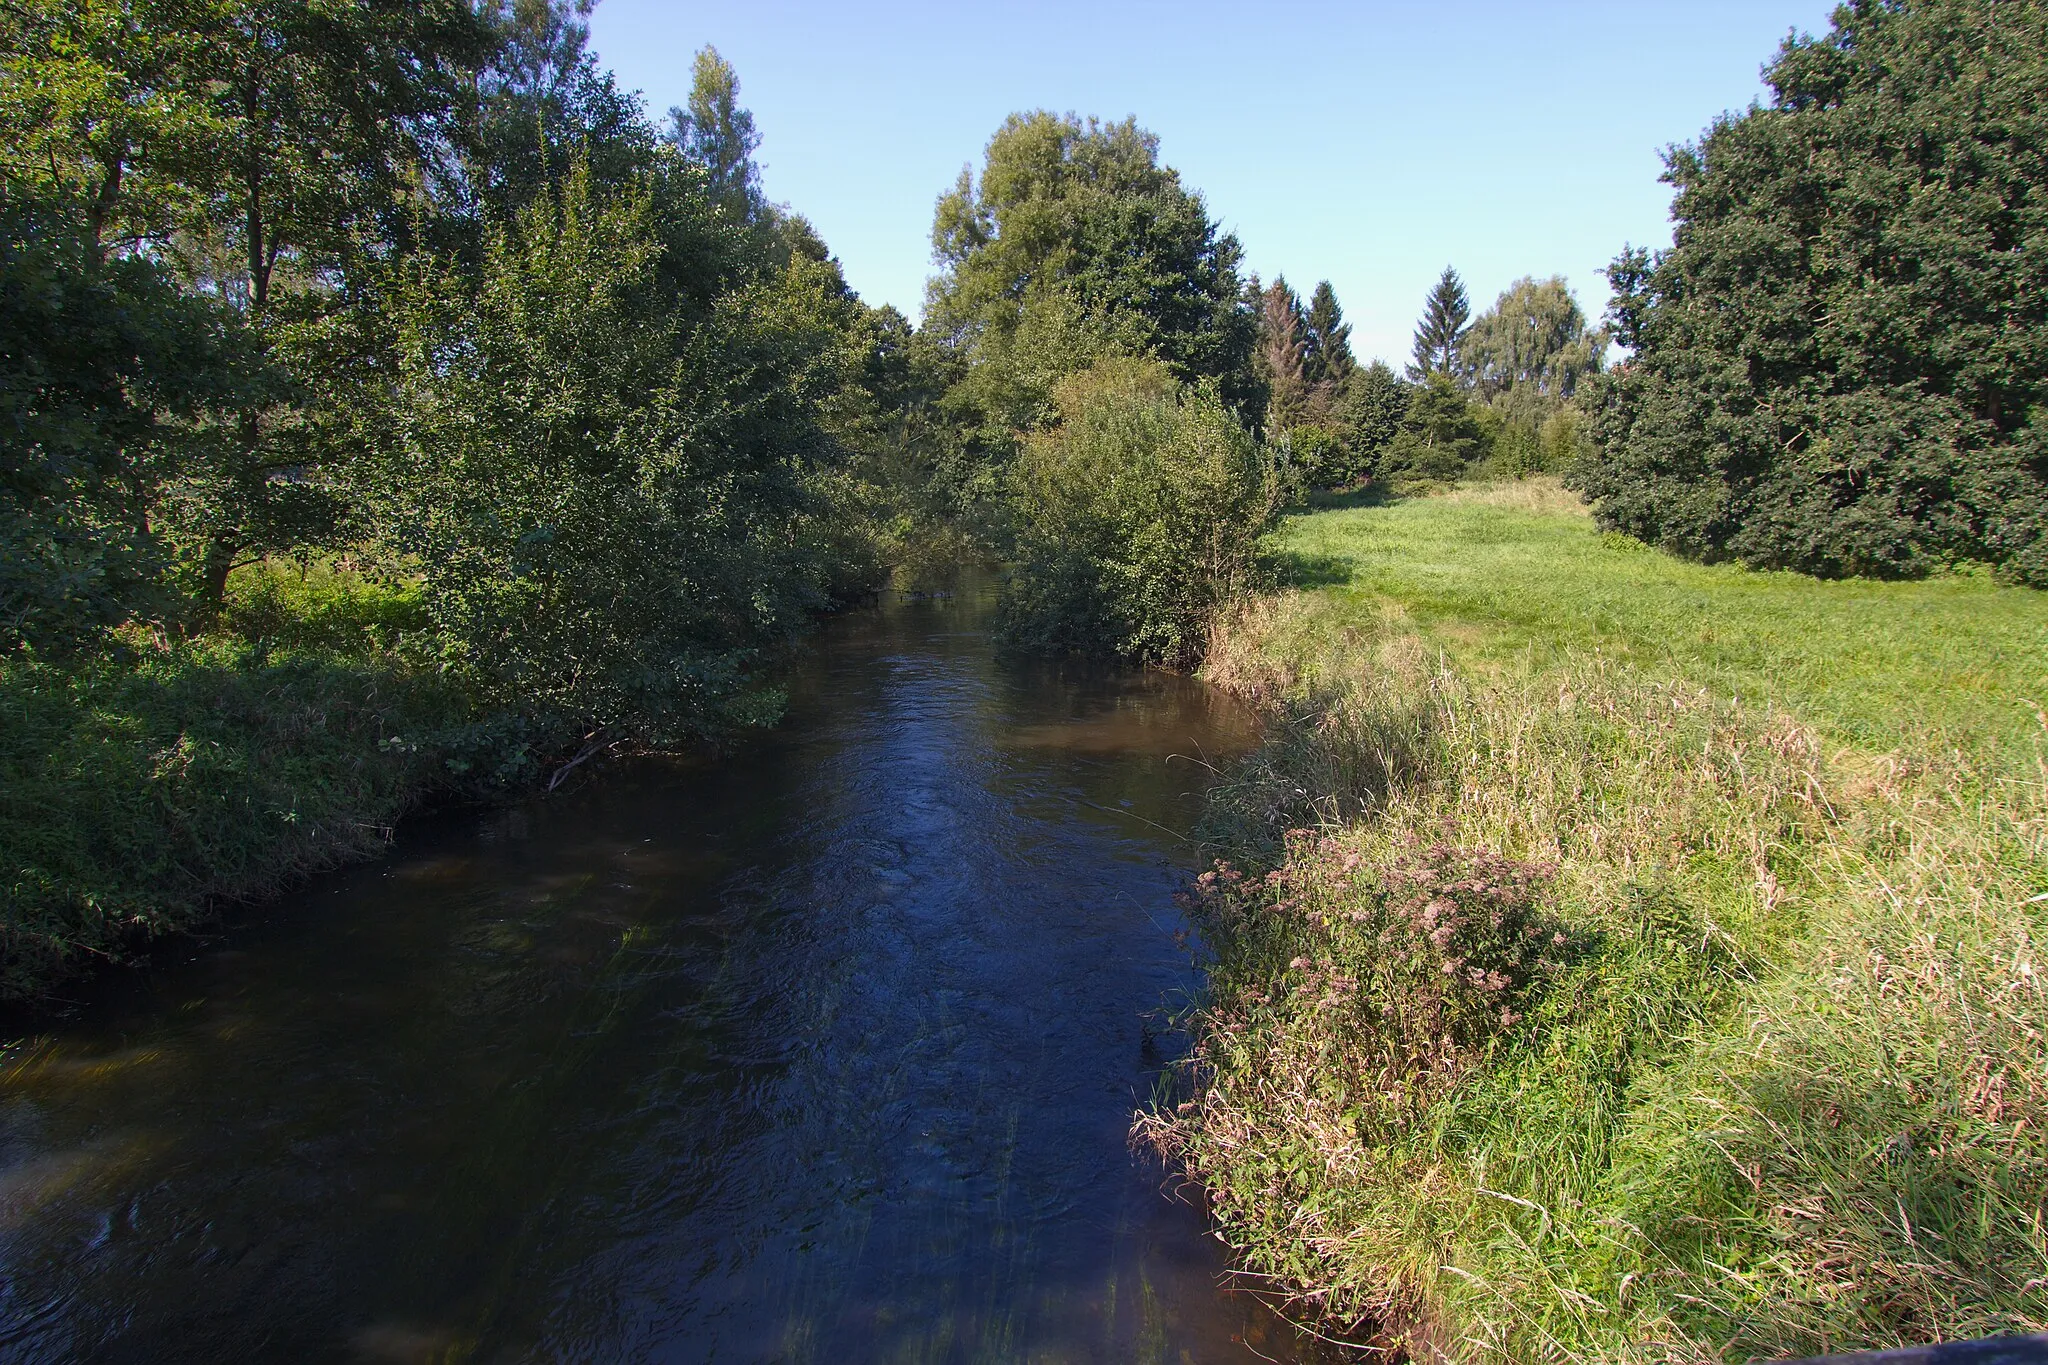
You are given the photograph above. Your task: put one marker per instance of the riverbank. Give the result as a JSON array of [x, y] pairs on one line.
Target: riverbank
[[145, 785], [1650, 972]]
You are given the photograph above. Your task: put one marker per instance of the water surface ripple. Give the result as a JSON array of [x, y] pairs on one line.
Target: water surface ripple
[[823, 1051]]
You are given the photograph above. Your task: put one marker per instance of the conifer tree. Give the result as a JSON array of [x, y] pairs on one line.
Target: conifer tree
[[1841, 364], [1328, 359], [1283, 353], [1440, 336]]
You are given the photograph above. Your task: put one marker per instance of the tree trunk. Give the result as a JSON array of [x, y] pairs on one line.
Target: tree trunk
[[213, 588]]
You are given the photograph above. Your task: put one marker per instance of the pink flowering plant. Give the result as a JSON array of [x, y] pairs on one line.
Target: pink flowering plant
[[1405, 972]]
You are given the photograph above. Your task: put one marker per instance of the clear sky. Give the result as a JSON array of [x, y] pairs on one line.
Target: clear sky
[[1368, 144]]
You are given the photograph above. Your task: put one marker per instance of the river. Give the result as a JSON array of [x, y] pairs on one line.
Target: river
[[821, 1051]]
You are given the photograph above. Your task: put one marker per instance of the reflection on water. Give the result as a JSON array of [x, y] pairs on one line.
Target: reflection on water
[[824, 1051]]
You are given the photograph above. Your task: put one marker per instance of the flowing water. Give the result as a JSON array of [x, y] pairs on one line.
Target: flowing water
[[824, 1051]]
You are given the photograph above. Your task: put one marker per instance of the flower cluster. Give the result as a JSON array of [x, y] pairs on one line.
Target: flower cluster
[[1473, 917]]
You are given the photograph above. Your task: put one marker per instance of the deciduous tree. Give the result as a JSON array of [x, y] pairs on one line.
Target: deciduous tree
[[1076, 242], [1532, 349]]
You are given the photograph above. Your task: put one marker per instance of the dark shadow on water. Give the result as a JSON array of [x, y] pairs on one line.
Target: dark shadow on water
[[822, 1051]]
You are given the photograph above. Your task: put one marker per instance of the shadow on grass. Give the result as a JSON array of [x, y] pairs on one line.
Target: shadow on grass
[[1292, 569], [1344, 499]]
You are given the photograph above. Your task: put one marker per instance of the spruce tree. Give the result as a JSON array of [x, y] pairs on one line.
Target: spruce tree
[[1328, 359], [1440, 336], [1282, 353]]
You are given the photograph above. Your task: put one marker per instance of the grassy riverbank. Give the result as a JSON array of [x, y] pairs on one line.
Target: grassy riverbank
[[1658, 980], [142, 786]]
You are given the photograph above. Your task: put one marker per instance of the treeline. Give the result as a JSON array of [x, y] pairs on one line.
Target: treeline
[[1491, 395], [419, 285], [389, 404], [1130, 408]]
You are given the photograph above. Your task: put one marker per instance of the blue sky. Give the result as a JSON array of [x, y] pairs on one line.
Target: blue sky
[[1366, 144]]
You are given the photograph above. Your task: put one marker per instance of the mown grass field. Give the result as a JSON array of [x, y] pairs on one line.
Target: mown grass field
[[1764, 1071], [1518, 576]]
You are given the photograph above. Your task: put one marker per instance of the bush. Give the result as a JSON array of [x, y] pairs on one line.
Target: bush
[[605, 497], [1841, 366], [1139, 515], [1440, 437]]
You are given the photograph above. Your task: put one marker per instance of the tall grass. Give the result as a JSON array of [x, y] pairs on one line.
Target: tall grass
[[1778, 1082]]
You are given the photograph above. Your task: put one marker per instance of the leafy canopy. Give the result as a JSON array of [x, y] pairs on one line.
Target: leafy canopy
[[1075, 243], [1841, 365], [1532, 349]]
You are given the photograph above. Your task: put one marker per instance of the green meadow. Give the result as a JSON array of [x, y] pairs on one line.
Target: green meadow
[[1626, 958]]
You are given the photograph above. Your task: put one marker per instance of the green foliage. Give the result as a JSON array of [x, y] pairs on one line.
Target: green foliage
[[394, 408], [603, 497], [1440, 436], [1075, 243], [1841, 366], [1328, 358], [543, 107], [138, 789], [1440, 335], [318, 607], [1331, 420], [1529, 353], [1313, 456], [1777, 1091], [714, 132], [1368, 412], [1519, 444], [107, 363], [257, 150], [1140, 514]]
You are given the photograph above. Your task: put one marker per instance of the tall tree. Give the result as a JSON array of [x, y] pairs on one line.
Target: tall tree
[[1440, 336], [1532, 349], [543, 109], [258, 147], [1841, 365], [1075, 241], [718, 135], [1328, 359], [104, 105], [1283, 354], [106, 366]]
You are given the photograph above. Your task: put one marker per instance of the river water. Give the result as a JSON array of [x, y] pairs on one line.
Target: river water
[[823, 1051]]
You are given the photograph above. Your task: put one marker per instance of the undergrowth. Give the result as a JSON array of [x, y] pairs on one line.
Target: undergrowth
[[1733, 1046], [145, 783]]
